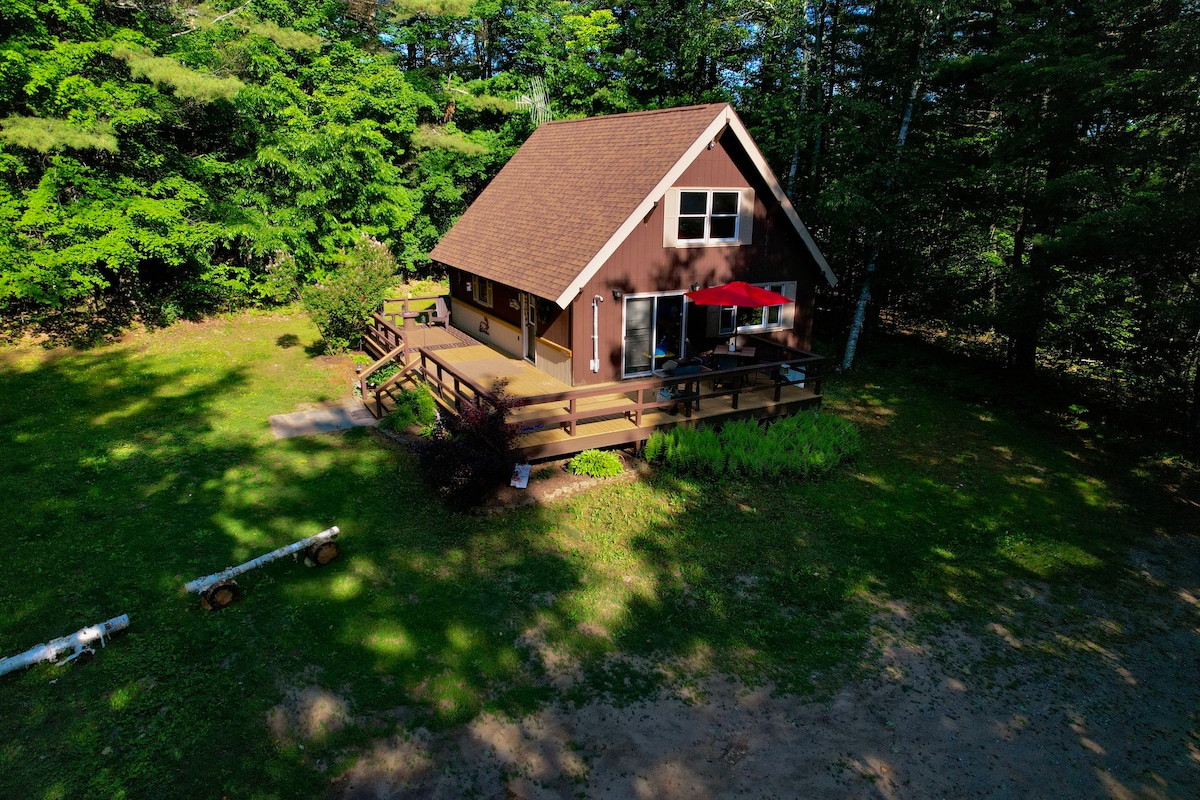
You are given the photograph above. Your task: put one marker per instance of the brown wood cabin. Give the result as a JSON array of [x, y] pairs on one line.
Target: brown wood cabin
[[576, 257]]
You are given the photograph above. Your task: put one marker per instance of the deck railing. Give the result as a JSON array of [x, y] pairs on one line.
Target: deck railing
[[388, 335], [566, 409], [406, 313]]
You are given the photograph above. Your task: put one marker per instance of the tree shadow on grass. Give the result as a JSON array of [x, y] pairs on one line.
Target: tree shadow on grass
[[128, 487], [129, 482], [1008, 543]]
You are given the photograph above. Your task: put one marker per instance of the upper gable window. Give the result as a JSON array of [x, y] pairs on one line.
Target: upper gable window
[[708, 217]]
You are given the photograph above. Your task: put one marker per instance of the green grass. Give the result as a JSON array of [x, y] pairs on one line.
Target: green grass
[[133, 468]]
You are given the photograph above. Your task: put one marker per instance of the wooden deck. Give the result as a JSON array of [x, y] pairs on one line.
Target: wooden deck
[[555, 442], [557, 419]]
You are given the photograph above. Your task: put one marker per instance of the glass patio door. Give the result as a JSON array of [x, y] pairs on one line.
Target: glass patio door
[[653, 332]]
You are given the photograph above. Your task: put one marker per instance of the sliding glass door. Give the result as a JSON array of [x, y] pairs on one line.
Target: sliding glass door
[[653, 332]]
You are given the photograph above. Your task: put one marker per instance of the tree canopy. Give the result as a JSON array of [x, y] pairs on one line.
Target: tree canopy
[[1019, 170]]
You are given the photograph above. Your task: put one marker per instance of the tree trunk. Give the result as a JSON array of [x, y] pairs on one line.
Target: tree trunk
[[860, 312]]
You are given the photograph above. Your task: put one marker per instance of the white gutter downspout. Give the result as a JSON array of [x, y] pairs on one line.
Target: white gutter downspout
[[596, 301]]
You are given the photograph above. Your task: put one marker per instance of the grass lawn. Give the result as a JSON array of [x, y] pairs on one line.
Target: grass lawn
[[132, 468]]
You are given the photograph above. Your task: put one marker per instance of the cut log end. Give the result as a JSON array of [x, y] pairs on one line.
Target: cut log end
[[318, 555], [223, 594]]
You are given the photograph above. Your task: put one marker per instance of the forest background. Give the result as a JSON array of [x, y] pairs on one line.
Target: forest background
[[1020, 174]]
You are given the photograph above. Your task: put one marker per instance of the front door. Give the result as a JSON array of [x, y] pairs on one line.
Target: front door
[[529, 327]]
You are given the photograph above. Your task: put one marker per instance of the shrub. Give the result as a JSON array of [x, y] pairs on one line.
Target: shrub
[[596, 463], [413, 407], [470, 453], [341, 304], [806, 445]]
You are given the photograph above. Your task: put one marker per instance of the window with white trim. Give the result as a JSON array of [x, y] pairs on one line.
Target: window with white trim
[[708, 216], [481, 290], [768, 318]]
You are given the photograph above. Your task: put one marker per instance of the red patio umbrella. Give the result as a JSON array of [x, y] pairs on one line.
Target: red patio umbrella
[[737, 293]]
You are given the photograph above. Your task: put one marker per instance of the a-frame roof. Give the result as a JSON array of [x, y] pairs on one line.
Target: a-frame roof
[[572, 193]]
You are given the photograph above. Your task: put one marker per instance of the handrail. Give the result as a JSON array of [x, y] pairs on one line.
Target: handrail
[[404, 312], [392, 335], [383, 387], [572, 416], [437, 380], [456, 388], [378, 365]]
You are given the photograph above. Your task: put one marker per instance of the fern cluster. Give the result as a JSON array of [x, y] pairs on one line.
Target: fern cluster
[[806, 445], [413, 407]]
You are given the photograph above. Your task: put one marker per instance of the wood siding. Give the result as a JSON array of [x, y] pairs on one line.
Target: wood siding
[[554, 361], [641, 265], [555, 323], [503, 298]]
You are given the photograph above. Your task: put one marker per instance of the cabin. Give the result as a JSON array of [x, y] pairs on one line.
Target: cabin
[[576, 257], [574, 263]]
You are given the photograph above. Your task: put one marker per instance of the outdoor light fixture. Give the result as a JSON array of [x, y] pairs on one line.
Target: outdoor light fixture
[[618, 294], [695, 287]]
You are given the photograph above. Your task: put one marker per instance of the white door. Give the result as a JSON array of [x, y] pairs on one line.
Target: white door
[[529, 327]]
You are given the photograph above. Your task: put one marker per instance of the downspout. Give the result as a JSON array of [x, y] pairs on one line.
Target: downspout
[[596, 301]]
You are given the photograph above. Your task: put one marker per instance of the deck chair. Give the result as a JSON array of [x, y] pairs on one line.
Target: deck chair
[[720, 362], [441, 313], [689, 392]]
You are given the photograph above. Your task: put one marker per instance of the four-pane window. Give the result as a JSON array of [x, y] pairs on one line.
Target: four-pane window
[[708, 216]]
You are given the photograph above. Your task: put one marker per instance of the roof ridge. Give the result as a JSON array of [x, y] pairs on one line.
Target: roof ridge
[[647, 112]]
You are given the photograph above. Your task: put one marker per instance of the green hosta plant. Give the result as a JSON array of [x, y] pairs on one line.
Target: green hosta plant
[[596, 463]]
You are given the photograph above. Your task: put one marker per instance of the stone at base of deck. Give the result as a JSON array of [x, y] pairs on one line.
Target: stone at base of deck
[[555, 443]]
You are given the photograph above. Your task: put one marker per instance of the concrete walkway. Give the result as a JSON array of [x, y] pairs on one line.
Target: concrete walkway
[[320, 420]]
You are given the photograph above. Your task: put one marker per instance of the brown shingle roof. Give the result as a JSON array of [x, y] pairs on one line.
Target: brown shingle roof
[[565, 193]]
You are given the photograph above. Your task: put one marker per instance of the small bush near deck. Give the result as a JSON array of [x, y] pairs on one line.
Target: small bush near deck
[[806, 445], [596, 463], [341, 303], [470, 453], [413, 407]]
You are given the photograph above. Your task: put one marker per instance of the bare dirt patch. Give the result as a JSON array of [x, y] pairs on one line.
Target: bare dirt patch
[[1094, 697]]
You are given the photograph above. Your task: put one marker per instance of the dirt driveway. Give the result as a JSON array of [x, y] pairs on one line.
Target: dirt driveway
[[1087, 698]]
